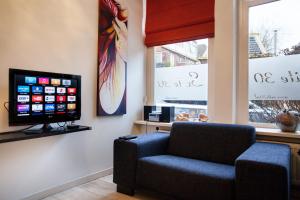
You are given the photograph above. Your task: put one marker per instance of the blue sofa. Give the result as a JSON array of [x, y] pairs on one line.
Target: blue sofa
[[203, 161]]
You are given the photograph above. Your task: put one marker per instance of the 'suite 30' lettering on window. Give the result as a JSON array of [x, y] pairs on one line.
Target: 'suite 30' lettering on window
[[267, 77], [192, 80]]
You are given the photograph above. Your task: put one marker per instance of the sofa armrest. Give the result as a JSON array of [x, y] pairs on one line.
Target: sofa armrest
[[263, 172], [127, 152]]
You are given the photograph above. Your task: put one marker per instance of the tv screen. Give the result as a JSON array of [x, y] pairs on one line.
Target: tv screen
[[43, 97]]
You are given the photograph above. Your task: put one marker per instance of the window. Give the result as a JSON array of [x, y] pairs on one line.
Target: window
[[181, 77], [274, 60]]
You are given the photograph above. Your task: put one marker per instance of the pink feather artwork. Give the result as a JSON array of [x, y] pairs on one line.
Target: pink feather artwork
[[112, 57]]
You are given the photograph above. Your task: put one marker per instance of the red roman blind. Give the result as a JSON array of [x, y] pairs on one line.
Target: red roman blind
[[171, 21]]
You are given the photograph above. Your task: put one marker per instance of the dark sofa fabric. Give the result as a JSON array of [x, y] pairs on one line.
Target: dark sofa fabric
[[264, 168], [184, 166], [221, 143], [127, 152], [186, 178]]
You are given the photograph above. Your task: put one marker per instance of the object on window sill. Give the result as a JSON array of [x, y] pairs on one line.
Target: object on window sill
[[186, 117], [203, 117], [287, 120], [183, 117]]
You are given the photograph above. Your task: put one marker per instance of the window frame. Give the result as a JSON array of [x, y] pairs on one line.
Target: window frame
[[237, 103], [243, 64], [150, 76]]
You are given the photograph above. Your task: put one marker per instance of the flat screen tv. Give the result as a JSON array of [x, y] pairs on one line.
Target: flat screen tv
[[43, 98]]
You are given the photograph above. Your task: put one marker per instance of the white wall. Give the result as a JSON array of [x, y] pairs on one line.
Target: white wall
[[61, 36]]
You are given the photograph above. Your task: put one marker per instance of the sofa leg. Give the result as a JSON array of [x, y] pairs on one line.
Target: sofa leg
[[125, 190]]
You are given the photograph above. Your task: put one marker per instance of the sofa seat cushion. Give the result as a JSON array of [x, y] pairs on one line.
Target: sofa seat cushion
[[186, 178]]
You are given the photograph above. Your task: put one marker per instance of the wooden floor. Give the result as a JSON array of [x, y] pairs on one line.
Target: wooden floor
[[105, 189], [101, 189]]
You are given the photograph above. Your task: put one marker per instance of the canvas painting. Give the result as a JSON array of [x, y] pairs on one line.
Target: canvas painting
[[112, 57]]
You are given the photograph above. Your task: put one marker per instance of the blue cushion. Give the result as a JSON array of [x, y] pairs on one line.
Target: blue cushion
[[186, 178], [221, 143], [263, 172], [127, 152]]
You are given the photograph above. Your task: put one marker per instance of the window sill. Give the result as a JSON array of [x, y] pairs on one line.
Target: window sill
[[148, 123], [271, 132]]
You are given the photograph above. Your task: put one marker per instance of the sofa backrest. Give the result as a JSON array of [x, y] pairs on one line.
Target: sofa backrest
[[221, 143]]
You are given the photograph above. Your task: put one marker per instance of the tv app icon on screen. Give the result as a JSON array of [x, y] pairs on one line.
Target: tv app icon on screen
[[23, 98], [30, 80], [66, 82], [49, 107], [61, 90], [49, 98], [37, 98], [71, 98], [71, 106], [49, 90], [55, 81], [23, 89], [37, 89], [71, 90], [61, 107], [44, 81], [23, 108], [60, 98], [37, 107]]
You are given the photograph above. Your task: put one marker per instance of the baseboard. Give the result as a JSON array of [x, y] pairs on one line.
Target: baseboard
[[68, 185]]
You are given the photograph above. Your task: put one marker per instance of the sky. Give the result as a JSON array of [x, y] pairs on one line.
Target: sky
[[283, 15]]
